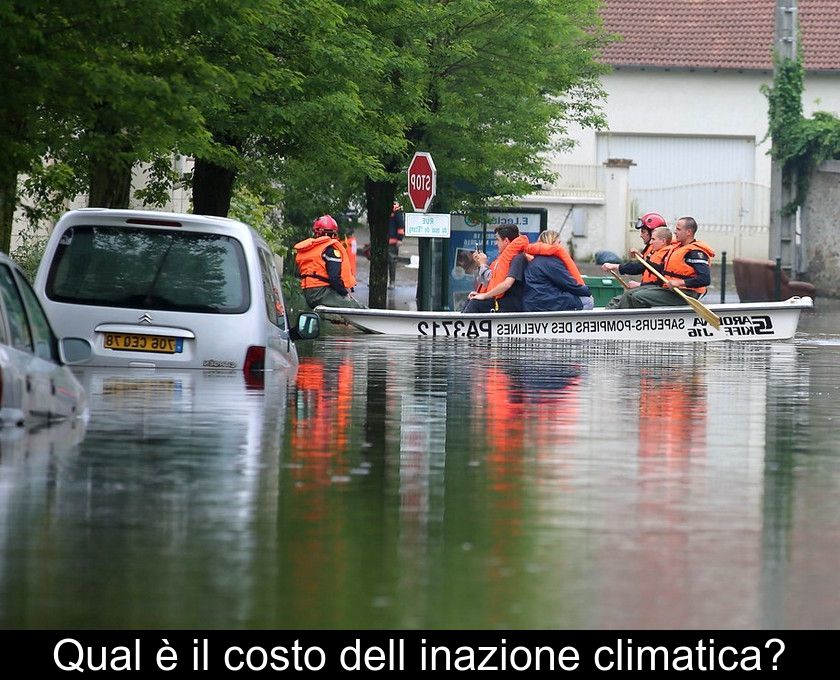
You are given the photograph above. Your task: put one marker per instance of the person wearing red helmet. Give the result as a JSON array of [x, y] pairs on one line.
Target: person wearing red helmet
[[646, 224], [324, 267], [686, 265], [657, 252]]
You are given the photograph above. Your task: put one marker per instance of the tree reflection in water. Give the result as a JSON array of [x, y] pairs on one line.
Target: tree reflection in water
[[150, 269]]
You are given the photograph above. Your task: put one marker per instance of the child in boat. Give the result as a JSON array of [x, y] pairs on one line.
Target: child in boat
[[658, 249]]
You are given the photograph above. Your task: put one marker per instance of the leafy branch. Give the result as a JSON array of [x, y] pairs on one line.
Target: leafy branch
[[800, 144]]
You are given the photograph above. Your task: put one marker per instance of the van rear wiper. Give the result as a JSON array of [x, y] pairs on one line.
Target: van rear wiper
[[159, 268]]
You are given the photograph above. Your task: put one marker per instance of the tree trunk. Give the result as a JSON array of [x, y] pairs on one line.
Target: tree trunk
[[8, 201], [379, 198], [212, 188], [110, 182]]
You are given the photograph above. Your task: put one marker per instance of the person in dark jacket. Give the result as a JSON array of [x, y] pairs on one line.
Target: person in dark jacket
[[396, 233], [549, 286]]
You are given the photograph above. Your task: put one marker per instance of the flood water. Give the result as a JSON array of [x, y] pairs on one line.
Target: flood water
[[400, 483]]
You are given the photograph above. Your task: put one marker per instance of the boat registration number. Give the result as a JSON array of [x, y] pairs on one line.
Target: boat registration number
[[144, 343]]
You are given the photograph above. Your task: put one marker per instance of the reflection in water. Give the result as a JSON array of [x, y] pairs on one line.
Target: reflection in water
[[399, 483], [153, 520]]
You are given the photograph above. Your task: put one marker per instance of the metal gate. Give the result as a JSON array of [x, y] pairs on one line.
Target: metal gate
[[732, 216]]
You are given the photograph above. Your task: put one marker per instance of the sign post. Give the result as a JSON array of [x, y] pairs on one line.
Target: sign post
[[422, 185]]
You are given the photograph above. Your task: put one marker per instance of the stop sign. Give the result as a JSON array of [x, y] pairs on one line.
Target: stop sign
[[422, 181]]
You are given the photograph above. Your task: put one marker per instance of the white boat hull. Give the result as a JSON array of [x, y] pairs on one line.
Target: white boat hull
[[759, 321]]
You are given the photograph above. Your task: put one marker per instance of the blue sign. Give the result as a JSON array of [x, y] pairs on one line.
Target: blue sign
[[466, 236]]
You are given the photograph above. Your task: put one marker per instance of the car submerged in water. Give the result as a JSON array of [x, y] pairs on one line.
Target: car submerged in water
[[35, 384], [168, 290]]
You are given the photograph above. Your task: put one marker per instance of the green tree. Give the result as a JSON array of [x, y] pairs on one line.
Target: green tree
[[297, 100], [487, 86], [98, 85], [37, 39]]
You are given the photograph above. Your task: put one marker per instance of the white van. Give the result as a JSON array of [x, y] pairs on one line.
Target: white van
[[167, 290]]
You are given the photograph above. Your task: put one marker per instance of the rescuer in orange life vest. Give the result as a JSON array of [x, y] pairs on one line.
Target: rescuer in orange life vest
[[396, 234], [350, 245], [324, 267], [687, 266]]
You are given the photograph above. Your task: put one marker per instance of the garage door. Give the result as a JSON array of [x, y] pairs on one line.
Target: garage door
[[677, 160], [709, 178]]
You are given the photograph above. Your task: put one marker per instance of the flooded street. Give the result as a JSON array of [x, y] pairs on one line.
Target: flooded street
[[401, 483]]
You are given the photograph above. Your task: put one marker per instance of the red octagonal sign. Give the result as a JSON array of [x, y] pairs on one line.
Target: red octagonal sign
[[422, 181]]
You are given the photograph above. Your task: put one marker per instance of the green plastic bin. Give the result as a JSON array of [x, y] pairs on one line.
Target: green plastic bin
[[604, 288]]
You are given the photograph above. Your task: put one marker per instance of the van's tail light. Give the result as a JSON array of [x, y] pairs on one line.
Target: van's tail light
[[254, 359]]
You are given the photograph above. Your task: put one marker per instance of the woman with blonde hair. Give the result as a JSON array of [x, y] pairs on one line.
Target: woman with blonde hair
[[553, 282]]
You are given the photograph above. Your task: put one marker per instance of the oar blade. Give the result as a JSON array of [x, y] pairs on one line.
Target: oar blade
[[701, 309]]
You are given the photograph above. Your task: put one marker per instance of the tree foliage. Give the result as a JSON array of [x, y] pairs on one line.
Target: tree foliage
[[314, 104], [800, 144], [488, 87], [96, 86]]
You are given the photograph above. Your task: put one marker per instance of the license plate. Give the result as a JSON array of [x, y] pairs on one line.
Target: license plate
[[144, 343], [119, 387]]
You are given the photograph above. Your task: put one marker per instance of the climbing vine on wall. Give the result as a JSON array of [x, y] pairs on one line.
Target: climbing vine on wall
[[799, 143]]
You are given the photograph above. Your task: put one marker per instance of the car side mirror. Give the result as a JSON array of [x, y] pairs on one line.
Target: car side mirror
[[73, 351], [308, 326]]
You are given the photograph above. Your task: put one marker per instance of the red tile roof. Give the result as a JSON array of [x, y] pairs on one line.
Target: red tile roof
[[716, 34]]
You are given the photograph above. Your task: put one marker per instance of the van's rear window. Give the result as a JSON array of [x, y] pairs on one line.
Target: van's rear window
[[149, 269]]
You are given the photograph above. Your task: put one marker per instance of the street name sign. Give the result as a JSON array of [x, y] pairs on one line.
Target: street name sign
[[428, 225]]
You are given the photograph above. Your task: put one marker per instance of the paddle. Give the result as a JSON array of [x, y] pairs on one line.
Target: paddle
[[618, 278], [699, 307]]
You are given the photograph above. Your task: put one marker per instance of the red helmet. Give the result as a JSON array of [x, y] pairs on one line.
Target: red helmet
[[325, 224], [650, 221]]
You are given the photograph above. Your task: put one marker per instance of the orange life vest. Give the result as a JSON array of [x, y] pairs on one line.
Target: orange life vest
[[501, 265], [312, 269], [351, 248], [558, 251], [657, 258], [676, 266]]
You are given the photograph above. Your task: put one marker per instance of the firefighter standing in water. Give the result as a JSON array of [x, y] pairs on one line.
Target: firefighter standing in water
[[396, 234], [351, 247], [324, 267]]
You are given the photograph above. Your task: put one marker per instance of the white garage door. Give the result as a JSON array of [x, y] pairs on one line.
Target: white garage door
[[710, 178], [677, 160]]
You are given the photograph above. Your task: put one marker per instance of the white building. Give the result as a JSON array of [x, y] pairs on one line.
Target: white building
[[684, 104]]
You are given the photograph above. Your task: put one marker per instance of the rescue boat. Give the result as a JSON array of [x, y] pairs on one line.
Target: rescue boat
[[758, 321]]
